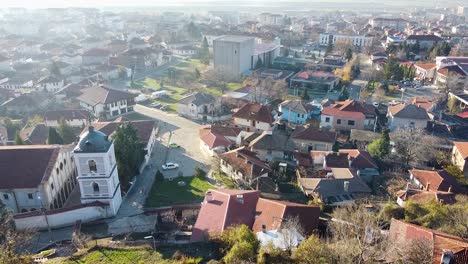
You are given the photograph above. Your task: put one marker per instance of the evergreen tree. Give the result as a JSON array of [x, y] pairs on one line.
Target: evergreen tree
[[129, 153], [344, 95], [380, 147], [66, 132], [197, 74], [349, 54], [53, 137], [18, 139], [336, 146], [205, 52], [305, 95]]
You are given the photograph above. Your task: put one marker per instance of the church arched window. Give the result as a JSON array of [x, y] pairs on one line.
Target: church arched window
[[92, 165], [95, 187]]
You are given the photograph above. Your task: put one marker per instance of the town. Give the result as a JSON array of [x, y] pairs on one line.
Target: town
[[234, 132]]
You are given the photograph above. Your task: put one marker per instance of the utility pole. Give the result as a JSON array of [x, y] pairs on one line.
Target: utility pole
[[43, 210]]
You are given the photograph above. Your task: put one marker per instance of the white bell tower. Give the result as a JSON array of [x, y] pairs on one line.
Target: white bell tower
[[97, 170]]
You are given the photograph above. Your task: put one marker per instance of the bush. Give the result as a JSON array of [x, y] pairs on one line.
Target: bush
[[272, 255], [159, 176], [241, 251], [199, 173], [390, 211]]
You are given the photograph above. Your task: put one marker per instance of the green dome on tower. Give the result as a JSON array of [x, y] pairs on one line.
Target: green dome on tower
[[93, 141]]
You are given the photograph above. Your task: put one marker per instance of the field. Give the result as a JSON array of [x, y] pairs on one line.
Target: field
[[164, 193]]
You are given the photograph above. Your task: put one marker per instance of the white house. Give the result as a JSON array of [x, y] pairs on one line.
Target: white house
[[103, 101], [407, 116], [256, 117], [355, 40], [197, 106], [36, 176], [50, 84], [97, 170], [72, 117]]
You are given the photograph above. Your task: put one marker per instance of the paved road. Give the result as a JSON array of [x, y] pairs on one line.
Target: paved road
[[183, 132]]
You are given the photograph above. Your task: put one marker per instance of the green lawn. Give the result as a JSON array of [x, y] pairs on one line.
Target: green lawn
[[117, 256], [169, 192]]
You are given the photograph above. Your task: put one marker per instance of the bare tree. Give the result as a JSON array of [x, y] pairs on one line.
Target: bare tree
[[11, 240], [291, 229], [357, 236], [415, 251], [409, 146]]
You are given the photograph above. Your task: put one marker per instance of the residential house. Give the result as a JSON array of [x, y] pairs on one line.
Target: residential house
[[199, 106], [460, 156], [145, 130], [243, 165], [326, 160], [347, 115], [72, 117], [423, 102], [423, 196], [104, 101], [451, 77], [36, 177], [95, 56], [307, 138], [20, 106], [187, 51], [363, 163], [255, 117], [425, 71], [269, 146], [227, 208], [35, 134], [335, 187], [298, 111], [435, 180], [425, 41], [314, 82], [407, 116], [215, 139], [445, 248], [50, 84]]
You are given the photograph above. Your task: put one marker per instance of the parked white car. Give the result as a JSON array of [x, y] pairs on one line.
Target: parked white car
[[170, 166]]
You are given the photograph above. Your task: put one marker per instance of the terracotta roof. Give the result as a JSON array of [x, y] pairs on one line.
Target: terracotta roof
[[462, 147], [422, 102], [349, 109], [438, 180], [26, 166], [216, 136], [224, 208], [246, 162], [361, 159], [101, 94], [314, 134], [425, 66], [425, 196], [337, 160], [451, 70], [67, 114], [255, 111], [402, 233], [272, 213], [410, 111]]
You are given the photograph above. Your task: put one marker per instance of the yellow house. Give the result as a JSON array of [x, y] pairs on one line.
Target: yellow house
[[460, 156]]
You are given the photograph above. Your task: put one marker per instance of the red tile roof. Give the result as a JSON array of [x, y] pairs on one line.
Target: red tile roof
[[246, 162], [272, 213], [403, 233], [426, 196], [438, 180], [255, 111], [462, 147], [26, 166], [425, 66], [451, 70], [349, 109], [361, 159], [314, 134], [216, 136], [224, 208]]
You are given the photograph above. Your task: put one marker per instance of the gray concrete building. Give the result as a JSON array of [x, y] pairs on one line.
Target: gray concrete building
[[233, 56]]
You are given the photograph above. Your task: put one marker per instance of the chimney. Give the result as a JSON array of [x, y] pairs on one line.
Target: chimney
[[209, 196], [427, 186], [450, 189], [264, 228], [346, 186], [240, 198], [350, 161]]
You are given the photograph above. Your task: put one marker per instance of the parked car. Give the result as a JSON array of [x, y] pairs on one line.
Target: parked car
[[164, 107], [155, 105], [170, 166], [419, 88]]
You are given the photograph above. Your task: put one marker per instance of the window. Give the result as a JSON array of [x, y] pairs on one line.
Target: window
[[5, 196], [327, 119], [95, 187], [30, 196], [338, 121], [52, 186], [298, 115], [61, 165], [92, 166], [350, 122], [57, 170]]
